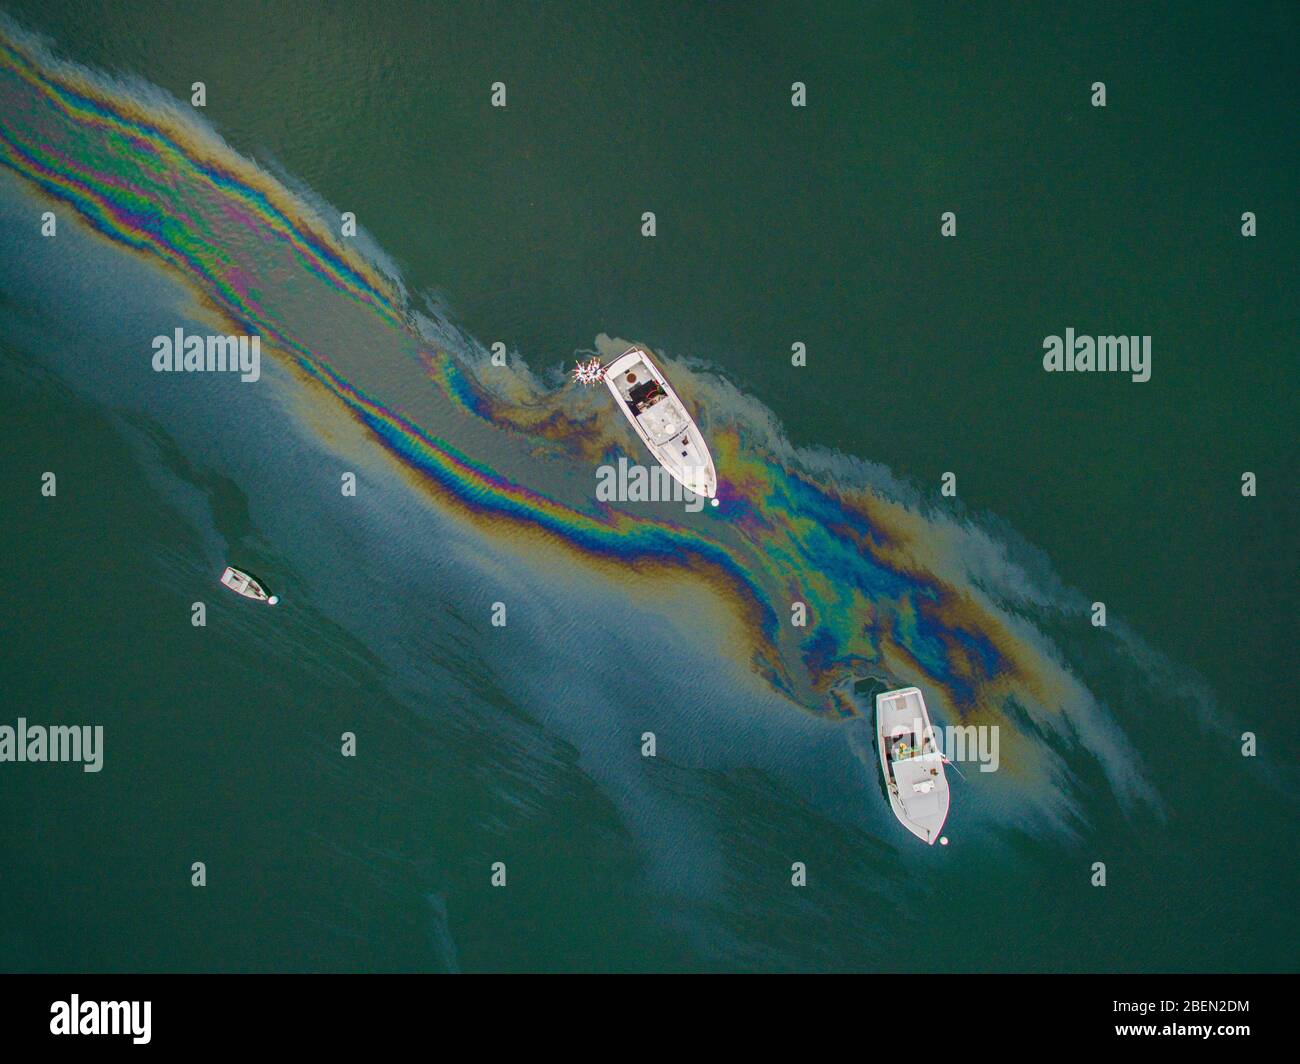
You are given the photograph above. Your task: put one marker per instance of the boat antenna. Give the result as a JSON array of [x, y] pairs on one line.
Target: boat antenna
[[589, 373], [948, 761]]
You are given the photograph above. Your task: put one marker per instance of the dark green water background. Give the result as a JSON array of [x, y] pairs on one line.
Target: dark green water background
[[776, 224]]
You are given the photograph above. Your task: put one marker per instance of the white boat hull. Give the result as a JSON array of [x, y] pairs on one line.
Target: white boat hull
[[242, 584], [912, 762], [660, 419]]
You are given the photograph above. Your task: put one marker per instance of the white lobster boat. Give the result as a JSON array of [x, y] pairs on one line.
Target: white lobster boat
[[660, 419], [912, 763], [242, 584]]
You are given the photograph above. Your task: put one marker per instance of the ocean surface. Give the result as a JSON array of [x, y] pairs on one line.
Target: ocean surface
[[522, 744]]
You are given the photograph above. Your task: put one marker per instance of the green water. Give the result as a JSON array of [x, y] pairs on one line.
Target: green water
[[775, 225]]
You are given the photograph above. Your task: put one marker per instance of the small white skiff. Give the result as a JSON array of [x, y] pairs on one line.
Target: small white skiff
[[660, 419], [912, 763], [243, 584]]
